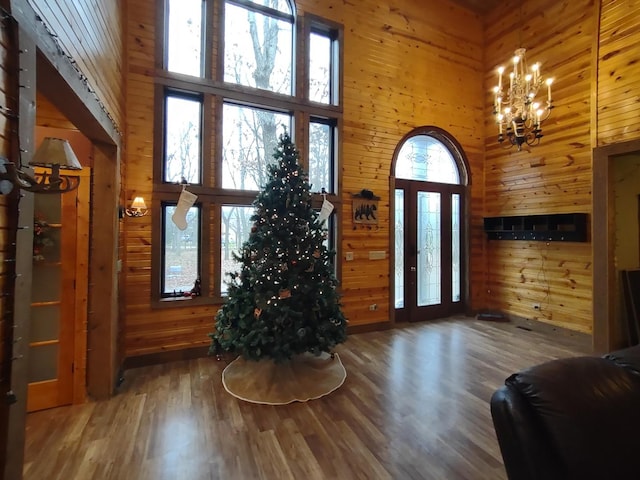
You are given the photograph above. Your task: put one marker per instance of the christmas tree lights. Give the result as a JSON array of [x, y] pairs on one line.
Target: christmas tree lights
[[283, 301]]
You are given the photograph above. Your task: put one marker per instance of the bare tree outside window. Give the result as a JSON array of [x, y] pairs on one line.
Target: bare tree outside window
[[182, 140], [236, 225], [181, 247], [320, 143], [185, 37], [258, 49], [249, 139], [259, 58], [319, 68]]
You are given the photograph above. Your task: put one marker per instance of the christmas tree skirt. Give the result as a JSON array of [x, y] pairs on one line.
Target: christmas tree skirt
[[305, 377]]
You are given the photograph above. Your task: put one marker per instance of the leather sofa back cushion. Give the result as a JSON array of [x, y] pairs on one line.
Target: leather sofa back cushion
[[628, 358], [591, 410]]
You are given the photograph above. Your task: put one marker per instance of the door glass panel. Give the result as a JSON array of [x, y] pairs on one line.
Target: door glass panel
[[399, 235], [45, 289], [43, 363], [45, 323], [428, 241], [455, 247], [45, 283]]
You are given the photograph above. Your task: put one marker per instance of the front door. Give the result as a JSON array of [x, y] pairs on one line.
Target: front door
[[430, 186], [428, 262], [57, 338]]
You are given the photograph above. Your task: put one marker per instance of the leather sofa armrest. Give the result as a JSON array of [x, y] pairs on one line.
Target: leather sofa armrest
[[589, 409], [525, 447]]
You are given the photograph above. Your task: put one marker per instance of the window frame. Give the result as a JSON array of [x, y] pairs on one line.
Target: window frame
[[215, 93], [170, 92], [163, 207], [163, 55], [333, 151]]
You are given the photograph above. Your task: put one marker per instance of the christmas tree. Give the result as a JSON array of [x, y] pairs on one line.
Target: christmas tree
[[283, 301]]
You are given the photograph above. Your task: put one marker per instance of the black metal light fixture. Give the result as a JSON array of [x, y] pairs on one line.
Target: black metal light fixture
[[55, 154]]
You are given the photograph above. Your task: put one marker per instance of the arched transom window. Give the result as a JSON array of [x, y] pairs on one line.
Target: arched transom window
[[423, 157]]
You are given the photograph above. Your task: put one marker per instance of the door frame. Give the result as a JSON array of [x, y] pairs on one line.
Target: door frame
[[58, 79], [76, 333], [465, 182], [607, 334], [446, 307]]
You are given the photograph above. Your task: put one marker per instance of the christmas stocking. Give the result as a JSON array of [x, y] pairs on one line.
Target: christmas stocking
[[325, 210], [185, 202]]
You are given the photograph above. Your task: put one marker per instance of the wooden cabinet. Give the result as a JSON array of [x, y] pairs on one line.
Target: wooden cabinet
[[564, 227]]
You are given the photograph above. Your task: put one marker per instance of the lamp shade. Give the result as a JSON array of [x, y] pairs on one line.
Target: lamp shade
[[55, 151], [138, 204]]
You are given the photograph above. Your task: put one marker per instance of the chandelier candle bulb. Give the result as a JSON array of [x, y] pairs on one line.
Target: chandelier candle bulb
[[516, 110]]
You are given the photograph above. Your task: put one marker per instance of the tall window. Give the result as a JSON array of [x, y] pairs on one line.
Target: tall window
[[184, 37], [236, 74], [182, 138]]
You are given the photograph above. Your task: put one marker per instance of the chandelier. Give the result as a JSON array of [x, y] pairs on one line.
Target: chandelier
[[518, 115]]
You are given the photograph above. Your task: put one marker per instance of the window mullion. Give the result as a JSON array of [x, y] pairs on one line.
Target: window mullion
[[249, 5]]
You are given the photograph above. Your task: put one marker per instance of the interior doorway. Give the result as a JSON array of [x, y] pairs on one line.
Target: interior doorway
[[429, 269], [57, 334], [608, 331]]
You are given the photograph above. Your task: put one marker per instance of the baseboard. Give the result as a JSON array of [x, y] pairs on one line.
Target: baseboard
[[369, 327], [574, 337], [199, 352], [165, 357]]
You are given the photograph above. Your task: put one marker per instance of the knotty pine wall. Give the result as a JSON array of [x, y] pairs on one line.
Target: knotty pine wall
[[92, 34], [553, 177], [589, 47], [402, 61], [407, 63], [618, 109]]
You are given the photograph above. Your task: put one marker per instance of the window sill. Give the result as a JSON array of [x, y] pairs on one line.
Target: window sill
[[178, 302]]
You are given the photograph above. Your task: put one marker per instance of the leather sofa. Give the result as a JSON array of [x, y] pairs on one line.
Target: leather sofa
[[572, 418]]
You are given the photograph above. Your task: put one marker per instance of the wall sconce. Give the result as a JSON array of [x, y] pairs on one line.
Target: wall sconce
[[53, 153], [138, 208]]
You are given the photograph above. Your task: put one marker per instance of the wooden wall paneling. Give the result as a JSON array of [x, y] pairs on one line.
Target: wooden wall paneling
[[396, 77], [60, 81], [81, 288], [553, 177], [102, 358], [48, 114], [400, 63], [618, 115], [91, 33]]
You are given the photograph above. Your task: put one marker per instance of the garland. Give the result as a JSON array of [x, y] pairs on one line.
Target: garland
[[42, 238]]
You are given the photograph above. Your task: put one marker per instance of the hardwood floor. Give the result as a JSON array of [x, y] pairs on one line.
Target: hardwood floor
[[415, 405]]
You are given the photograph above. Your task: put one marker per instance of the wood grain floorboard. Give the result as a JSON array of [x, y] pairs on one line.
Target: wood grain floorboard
[[415, 405]]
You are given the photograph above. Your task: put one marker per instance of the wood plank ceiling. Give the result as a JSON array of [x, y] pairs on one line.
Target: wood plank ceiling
[[479, 6]]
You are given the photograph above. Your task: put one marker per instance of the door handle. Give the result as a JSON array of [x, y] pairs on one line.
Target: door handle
[[10, 397], [413, 269]]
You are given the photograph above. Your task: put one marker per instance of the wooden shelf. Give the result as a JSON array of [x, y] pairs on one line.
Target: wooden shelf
[[561, 227]]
